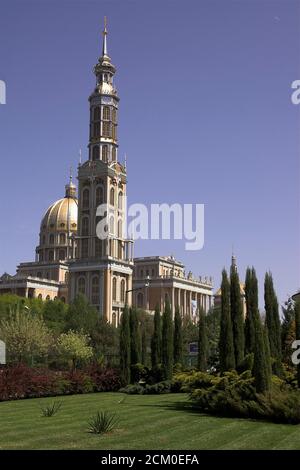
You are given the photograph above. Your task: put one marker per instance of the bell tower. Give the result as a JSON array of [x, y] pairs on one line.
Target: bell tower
[[103, 268]]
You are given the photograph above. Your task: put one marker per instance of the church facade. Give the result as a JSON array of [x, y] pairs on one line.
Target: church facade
[[72, 259]]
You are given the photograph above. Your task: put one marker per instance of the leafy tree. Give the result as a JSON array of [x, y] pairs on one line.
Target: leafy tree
[[297, 324], [135, 337], [74, 346], [156, 340], [167, 342], [125, 347], [273, 323], [237, 317], [81, 316], [178, 352], [54, 314], [105, 340], [288, 333], [26, 335], [227, 359], [202, 342]]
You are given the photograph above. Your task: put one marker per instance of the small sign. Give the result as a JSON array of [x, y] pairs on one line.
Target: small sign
[[2, 352], [193, 348]]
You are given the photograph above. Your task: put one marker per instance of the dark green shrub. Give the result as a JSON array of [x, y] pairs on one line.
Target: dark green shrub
[[134, 389], [103, 422], [51, 409]]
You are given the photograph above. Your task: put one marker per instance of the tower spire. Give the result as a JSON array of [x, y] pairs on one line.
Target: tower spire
[[104, 47]]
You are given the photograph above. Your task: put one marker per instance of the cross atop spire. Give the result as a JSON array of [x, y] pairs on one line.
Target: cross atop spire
[[104, 48]]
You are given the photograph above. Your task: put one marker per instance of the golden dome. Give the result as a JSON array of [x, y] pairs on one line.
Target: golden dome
[[61, 216]]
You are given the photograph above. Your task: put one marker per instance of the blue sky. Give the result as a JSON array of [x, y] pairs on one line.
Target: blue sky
[[205, 117]]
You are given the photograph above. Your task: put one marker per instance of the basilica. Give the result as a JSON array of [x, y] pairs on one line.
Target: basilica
[[71, 259]]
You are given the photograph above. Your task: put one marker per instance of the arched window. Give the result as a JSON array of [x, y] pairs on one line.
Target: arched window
[[62, 254], [106, 113], [112, 197], [41, 256], [85, 198], [51, 239], [85, 226], [120, 233], [51, 255], [96, 129], [114, 115], [62, 238], [44, 240], [63, 299], [114, 132], [66, 278], [48, 297], [96, 153], [40, 296], [114, 289], [95, 290], [140, 300], [114, 154], [98, 248], [97, 113], [81, 285], [120, 201], [114, 319], [99, 195], [142, 273], [104, 153], [106, 128], [122, 290], [84, 248], [111, 224]]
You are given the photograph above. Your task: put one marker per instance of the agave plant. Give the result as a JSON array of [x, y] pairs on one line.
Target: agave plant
[[102, 422], [51, 408]]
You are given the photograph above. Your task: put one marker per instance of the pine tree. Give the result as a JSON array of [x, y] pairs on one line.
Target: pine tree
[[167, 342], [297, 328], [135, 337], [178, 349], [156, 340], [226, 347], [125, 347], [249, 321], [273, 323], [237, 317], [202, 342]]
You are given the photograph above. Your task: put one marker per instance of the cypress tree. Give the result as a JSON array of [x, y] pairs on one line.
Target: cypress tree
[[167, 342], [268, 355], [125, 347], [237, 317], [156, 340], [144, 347], [273, 323], [227, 359], [249, 321], [178, 349], [202, 342], [135, 337], [261, 366], [297, 328]]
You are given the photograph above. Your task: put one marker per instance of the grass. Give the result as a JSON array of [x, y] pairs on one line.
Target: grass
[[145, 422]]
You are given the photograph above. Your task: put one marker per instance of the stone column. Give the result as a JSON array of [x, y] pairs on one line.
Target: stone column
[[184, 302], [173, 300]]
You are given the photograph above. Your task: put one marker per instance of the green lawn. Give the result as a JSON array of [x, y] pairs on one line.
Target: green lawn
[[145, 422]]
